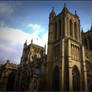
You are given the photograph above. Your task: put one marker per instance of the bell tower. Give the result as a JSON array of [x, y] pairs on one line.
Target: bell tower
[[66, 69]]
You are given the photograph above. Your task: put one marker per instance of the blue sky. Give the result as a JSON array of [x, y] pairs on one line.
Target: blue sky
[[26, 20]]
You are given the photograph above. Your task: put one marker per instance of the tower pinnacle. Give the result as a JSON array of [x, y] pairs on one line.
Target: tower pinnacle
[[31, 41], [64, 5], [25, 44], [75, 12]]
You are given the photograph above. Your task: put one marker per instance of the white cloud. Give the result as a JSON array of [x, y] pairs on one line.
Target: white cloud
[[14, 35], [17, 36], [34, 26]]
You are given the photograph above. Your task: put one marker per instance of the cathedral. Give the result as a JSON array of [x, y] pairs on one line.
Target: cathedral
[[67, 65]]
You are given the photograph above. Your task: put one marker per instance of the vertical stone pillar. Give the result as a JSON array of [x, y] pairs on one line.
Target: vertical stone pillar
[[63, 65], [85, 71], [79, 32], [70, 67], [69, 49], [51, 32], [60, 66], [70, 79]]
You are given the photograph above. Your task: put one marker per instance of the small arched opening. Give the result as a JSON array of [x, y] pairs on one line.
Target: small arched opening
[[71, 33]]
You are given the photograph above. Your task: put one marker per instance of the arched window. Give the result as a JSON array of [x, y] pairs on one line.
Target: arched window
[[55, 81], [59, 27], [75, 29], [63, 28], [55, 30], [71, 33], [76, 79]]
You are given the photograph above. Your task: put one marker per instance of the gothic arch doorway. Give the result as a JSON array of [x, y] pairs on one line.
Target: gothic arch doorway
[[76, 79], [10, 84], [55, 81]]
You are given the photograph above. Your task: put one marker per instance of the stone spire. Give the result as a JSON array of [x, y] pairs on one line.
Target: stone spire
[[82, 30], [52, 14], [64, 5], [25, 44], [32, 41], [65, 10], [76, 13], [8, 61]]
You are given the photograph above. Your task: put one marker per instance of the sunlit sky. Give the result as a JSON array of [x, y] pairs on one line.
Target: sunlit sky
[[26, 20]]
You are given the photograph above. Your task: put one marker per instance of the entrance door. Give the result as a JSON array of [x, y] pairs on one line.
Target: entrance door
[[76, 79], [10, 84], [55, 81]]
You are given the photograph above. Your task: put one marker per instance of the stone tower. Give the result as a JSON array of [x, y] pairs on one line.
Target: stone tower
[[66, 67]]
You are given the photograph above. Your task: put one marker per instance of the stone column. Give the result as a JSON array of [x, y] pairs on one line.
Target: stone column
[[85, 71], [69, 49], [63, 65], [70, 68], [80, 34], [70, 79], [77, 32]]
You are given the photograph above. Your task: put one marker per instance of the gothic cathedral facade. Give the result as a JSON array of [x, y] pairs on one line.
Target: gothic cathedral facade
[[66, 68]]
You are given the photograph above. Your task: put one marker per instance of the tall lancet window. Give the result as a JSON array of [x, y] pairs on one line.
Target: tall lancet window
[[55, 30], [59, 27], [75, 30], [71, 30]]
